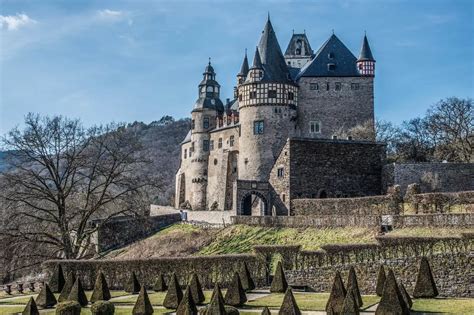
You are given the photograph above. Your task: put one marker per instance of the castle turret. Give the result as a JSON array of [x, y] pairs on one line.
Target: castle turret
[[299, 51], [206, 109], [366, 62], [244, 70], [267, 106]]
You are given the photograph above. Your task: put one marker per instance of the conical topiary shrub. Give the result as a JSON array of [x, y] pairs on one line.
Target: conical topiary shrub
[[101, 289], [46, 298], [187, 305], [353, 285], [337, 296], [142, 305], [425, 286], [196, 290], [77, 294], [174, 295], [289, 306], [68, 308], [160, 284], [235, 295], [405, 295], [70, 280], [103, 308], [56, 282], [133, 285], [216, 307], [392, 301], [350, 306], [246, 278], [380, 281], [279, 284], [266, 311], [31, 308]]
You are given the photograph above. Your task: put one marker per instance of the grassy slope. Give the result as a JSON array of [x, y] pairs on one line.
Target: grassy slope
[[182, 240]]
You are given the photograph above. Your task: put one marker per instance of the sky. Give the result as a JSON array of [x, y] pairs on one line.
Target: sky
[[125, 61]]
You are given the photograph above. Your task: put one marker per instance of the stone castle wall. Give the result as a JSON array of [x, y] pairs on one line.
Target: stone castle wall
[[432, 177], [452, 274], [346, 108]]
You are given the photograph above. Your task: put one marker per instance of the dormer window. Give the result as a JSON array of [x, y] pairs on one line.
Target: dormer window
[[331, 66]]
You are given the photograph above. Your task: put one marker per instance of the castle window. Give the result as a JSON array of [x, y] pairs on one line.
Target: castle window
[[240, 97], [192, 148], [338, 86], [185, 153], [205, 145], [231, 141], [280, 172], [272, 93], [258, 127], [291, 96], [355, 86], [331, 55], [313, 86], [283, 197], [211, 145], [219, 143], [314, 127], [327, 86], [331, 66], [192, 124], [253, 95], [215, 161], [205, 122]]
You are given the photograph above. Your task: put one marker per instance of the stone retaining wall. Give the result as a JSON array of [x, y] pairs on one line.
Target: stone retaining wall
[[122, 231], [452, 274], [434, 220]]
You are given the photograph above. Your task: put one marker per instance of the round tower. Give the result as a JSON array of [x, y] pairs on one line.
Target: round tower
[[267, 109], [207, 107], [366, 62]]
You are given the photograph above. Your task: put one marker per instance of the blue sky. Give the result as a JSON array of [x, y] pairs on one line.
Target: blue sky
[[123, 61]]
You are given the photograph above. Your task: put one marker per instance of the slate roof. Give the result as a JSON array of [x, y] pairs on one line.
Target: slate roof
[[187, 138], [209, 102], [365, 52], [342, 58], [274, 64], [292, 45], [244, 69], [257, 60]]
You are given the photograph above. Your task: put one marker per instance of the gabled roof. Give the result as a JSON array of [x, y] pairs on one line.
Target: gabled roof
[[333, 51], [365, 52], [299, 42], [274, 64]]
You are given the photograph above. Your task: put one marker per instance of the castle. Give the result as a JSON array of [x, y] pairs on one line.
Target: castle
[[276, 140]]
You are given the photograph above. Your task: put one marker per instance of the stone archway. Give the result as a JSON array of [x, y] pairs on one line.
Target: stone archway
[[254, 203]]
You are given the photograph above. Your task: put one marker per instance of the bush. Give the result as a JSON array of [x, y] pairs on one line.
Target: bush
[[187, 305], [246, 278], [235, 295], [77, 294], [289, 306], [70, 280], [101, 289], [174, 295], [337, 296], [46, 298], [68, 308], [266, 311], [380, 281], [279, 283], [103, 308], [405, 295], [160, 284], [31, 308], [350, 306], [56, 282], [216, 307], [133, 286], [142, 305], [392, 300], [353, 286], [196, 290], [425, 286]]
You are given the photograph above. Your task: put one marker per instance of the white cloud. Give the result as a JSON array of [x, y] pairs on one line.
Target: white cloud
[[110, 14], [14, 22]]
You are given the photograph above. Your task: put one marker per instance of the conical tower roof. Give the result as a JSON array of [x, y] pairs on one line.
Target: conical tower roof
[[257, 61], [271, 56], [365, 52], [244, 69]]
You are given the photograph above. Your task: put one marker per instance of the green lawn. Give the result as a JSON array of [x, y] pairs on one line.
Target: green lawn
[[305, 301], [156, 298], [440, 305], [26, 298]]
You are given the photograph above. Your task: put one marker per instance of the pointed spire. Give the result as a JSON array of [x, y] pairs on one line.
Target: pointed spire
[[244, 69], [365, 52], [257, 61]]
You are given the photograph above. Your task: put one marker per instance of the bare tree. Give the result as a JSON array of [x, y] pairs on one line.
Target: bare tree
[[61, 176], [451, 124]]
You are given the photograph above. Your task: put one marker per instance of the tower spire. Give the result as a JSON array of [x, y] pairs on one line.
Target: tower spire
[[366, 61], [365, 52], [257, 61]]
